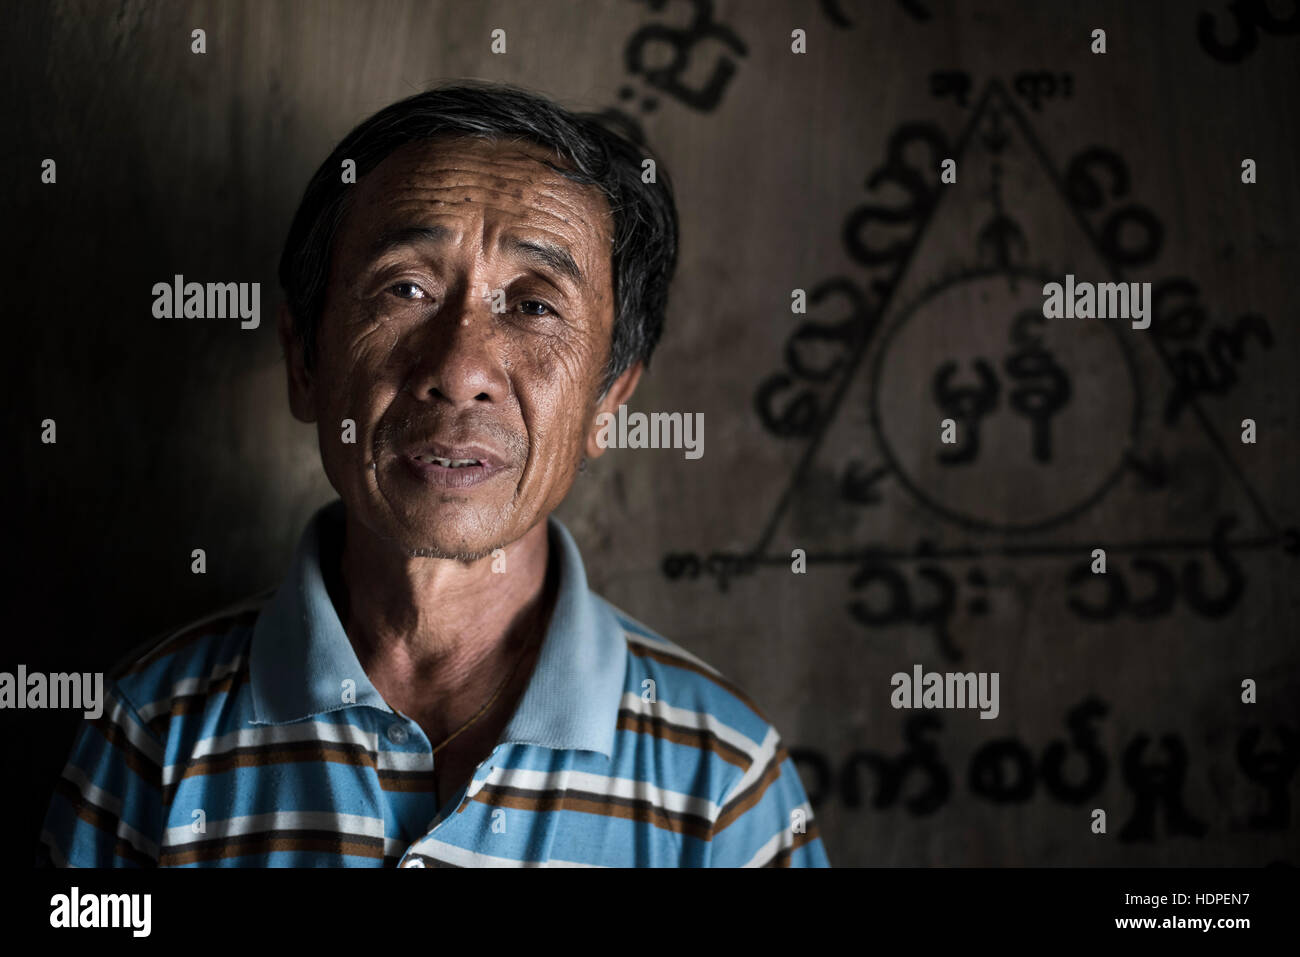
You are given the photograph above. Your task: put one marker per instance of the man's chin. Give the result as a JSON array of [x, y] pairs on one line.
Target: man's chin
[[435, 524], [449, 555], [463, 539]]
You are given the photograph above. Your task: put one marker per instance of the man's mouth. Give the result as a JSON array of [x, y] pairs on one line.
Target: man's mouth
[[446, 463], [446, 466]]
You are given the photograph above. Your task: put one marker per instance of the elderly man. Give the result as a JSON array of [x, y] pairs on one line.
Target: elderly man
[[473, 277]]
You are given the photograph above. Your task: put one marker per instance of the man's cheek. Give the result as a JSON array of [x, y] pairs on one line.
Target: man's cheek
[[352, 395], [550, 360]]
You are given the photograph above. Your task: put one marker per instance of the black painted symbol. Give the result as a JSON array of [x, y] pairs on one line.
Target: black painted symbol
[[1244, 20], [1158, 791], [1273, 769], [835, 12], [1007, 405], [662, 55], [850, 388]]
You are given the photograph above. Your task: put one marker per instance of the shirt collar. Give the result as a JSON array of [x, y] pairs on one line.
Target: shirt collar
[[301, 657]]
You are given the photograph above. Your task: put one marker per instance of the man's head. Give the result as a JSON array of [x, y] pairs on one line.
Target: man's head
[[495, 278]]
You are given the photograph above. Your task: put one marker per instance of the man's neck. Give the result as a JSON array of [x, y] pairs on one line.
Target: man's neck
[[435, 636]]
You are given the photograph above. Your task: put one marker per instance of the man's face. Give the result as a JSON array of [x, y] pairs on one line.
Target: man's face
[[470, 423]]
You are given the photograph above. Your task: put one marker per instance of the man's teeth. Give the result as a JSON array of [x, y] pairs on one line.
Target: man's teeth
[[446, 463]]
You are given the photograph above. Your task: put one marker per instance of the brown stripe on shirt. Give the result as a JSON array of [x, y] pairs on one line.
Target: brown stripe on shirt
[[281, 752], [782, 857], [666, 657], [407, 782], [195, 703], [271, 841], [103, 819], [139, 762], [702, 738], [747, 798], [631, 809]]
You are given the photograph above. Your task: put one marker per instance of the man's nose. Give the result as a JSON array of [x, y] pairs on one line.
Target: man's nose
[[457, 352]]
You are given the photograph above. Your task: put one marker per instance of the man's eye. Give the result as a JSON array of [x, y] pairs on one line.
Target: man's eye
[[533, 307], [406, 290]]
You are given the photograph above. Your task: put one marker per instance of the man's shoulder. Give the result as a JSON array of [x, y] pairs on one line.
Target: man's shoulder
[[689, 689], [201, 656], [674, 700]]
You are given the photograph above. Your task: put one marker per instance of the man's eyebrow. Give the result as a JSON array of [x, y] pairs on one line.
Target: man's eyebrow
[[555, 257], [408, 236]]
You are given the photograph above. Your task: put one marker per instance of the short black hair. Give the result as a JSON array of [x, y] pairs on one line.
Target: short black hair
[[595, 153]]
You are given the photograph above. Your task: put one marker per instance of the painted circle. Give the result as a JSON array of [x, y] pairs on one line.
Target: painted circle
[[1005, 487]]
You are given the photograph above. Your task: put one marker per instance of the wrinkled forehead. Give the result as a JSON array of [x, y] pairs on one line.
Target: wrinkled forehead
[[471, 182]]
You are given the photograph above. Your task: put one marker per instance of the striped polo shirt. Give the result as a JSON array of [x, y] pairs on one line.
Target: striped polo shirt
[[254, 739]]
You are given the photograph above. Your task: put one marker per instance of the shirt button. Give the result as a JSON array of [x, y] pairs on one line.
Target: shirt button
[[397, 733], [414, 862]]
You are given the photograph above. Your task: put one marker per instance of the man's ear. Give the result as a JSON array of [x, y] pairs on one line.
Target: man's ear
[[619, 392], [301, 394]]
